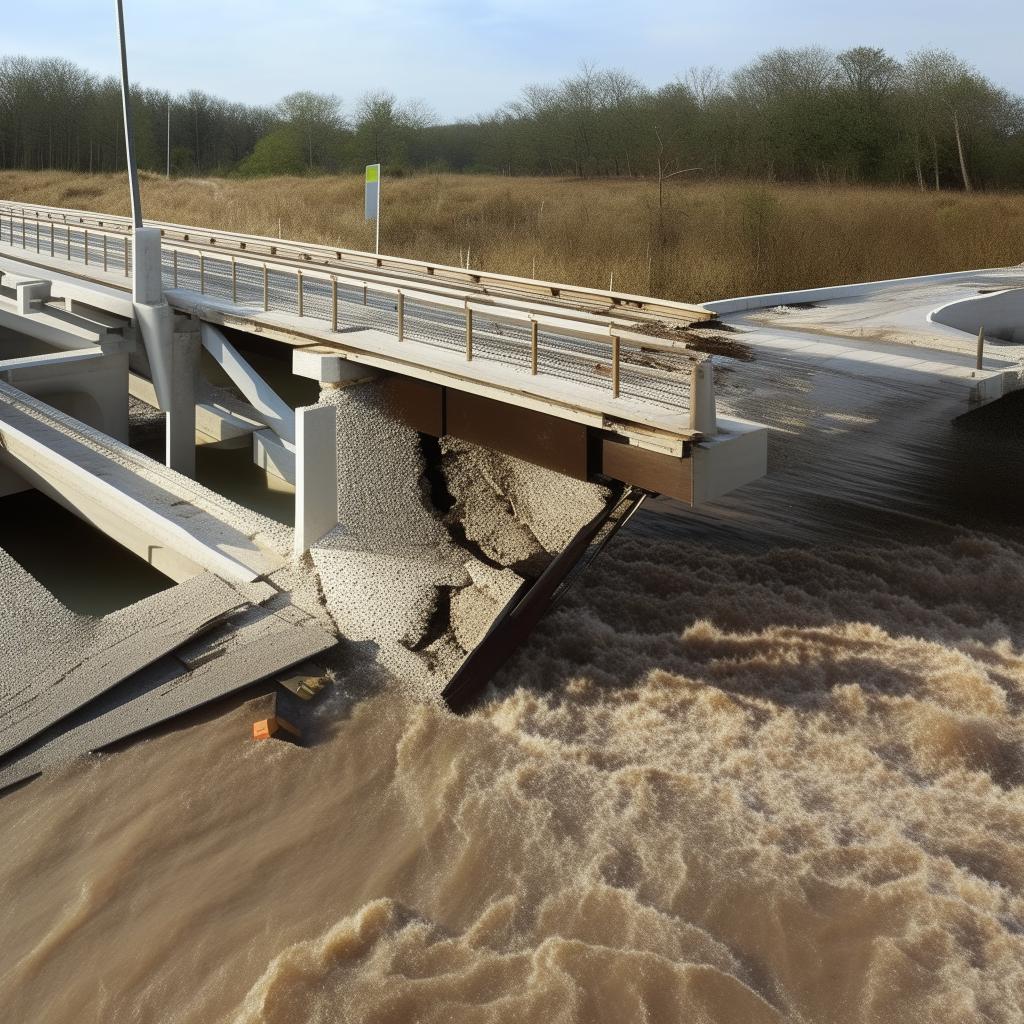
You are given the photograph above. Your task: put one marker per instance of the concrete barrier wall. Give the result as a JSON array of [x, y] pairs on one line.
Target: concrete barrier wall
[[1001, 314], [841, 291]]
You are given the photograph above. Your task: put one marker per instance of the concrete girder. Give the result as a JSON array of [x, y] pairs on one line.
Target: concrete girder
[[278, 415]]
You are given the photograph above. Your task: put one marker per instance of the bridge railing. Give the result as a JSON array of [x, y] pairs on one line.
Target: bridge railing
[[281, 283], [109, 247], [639, 307]]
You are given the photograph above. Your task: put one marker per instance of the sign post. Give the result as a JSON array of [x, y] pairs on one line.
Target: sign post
[[371, 202]]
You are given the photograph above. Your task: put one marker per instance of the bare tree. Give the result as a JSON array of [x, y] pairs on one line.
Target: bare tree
[[317, 116]]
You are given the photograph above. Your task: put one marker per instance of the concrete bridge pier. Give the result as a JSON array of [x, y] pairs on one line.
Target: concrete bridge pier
[[154, 322], [316, 442], [316, 474], [180, 411]]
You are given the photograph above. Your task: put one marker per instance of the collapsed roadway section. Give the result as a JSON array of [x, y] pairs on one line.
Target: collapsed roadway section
[[464, 451]]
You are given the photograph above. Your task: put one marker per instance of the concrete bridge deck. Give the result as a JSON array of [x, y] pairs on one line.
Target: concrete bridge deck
[[887, 331], [611, 360], [498, 362]]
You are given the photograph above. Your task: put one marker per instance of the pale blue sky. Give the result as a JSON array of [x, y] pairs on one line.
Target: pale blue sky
[[468, 56]]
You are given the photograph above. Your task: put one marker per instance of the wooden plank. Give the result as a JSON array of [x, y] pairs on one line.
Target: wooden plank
[[48, 681], [525, 610]]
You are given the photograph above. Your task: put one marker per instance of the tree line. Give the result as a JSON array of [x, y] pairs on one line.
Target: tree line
[[799, 115]]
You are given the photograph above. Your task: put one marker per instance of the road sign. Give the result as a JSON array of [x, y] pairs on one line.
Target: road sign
[[371, 209], [371, 202]]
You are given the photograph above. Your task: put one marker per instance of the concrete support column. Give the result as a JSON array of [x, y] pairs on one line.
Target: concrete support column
[[316, 474], [154, 319], [147, 269], [115, 395], [180, 428]]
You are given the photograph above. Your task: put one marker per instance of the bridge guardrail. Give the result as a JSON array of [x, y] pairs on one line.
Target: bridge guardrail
[[641, 307]]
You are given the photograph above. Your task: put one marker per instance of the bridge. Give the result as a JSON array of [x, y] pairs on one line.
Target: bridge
[[469, 444], [611, 374]]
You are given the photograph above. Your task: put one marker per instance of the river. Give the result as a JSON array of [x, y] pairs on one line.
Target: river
[[763, 764]]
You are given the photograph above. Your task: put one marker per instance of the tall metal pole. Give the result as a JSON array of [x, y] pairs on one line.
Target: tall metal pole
[[129, 134], [168, 136]]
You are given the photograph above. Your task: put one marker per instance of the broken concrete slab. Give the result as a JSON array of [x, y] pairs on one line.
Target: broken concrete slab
[[56, 661], [235, 659], [172, 522]]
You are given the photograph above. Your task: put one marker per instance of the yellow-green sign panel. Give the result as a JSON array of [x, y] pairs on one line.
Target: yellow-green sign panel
[[371, 207]]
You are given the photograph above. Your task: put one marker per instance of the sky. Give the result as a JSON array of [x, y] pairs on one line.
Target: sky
[[468, 57]]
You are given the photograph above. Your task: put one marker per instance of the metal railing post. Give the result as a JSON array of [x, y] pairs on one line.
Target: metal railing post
[[234, 282], [266, 288], [298, 288], [533, 347], [174, 267], [104, 254], [334, 303], [87, 247], [51, 239], [202, 273], [127, 255], [37, 232], [615, 366], [401, 317], [469, 333]]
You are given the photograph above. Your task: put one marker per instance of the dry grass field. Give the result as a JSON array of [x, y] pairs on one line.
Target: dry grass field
[[709, 240]]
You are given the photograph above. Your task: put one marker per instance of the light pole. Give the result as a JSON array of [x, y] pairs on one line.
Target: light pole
[[168, 137], [129, 134], [172, 367]]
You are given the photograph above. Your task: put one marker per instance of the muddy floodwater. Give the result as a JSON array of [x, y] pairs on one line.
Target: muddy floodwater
[[764, 763]]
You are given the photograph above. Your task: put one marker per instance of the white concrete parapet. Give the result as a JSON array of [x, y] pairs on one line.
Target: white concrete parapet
[[1000, 314]]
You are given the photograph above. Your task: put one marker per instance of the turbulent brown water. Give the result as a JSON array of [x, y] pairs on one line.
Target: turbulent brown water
[[751, 770]]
